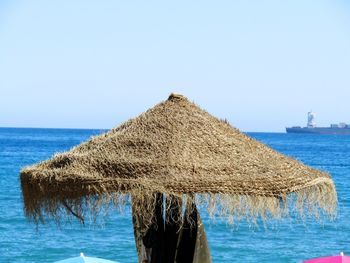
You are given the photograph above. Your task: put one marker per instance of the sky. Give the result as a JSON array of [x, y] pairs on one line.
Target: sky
[[94, 64]]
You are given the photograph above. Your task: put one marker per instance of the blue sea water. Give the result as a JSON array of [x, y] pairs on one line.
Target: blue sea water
[[286, 241]]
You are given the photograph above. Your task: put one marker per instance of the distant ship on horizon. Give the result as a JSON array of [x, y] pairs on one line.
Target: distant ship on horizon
[[340, 128]]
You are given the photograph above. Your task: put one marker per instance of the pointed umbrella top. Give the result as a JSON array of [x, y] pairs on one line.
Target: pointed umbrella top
[[333, 259], [83, 259], [178, 149]]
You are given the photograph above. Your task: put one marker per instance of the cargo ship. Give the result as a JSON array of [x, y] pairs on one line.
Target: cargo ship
[[340, 128]]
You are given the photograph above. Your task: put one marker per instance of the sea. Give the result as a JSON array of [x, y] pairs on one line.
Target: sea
[[287, 240]]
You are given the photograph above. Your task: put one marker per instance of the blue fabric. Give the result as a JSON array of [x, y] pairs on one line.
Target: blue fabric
[[85, 260]]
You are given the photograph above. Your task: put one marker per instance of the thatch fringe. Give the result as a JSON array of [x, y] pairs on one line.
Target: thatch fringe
[[318, 201]]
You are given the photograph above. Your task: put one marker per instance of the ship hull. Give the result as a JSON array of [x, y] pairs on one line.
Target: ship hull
[[319, 130]]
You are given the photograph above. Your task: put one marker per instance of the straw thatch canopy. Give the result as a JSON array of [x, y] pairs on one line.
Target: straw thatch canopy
[[178, 149]]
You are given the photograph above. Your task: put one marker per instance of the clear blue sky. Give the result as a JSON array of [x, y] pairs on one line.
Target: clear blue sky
[[94, 64]]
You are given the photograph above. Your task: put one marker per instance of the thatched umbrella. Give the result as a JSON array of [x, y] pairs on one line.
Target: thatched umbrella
[[180, 150]]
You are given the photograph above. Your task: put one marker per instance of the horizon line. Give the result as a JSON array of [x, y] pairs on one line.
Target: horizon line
[[105, 129]]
